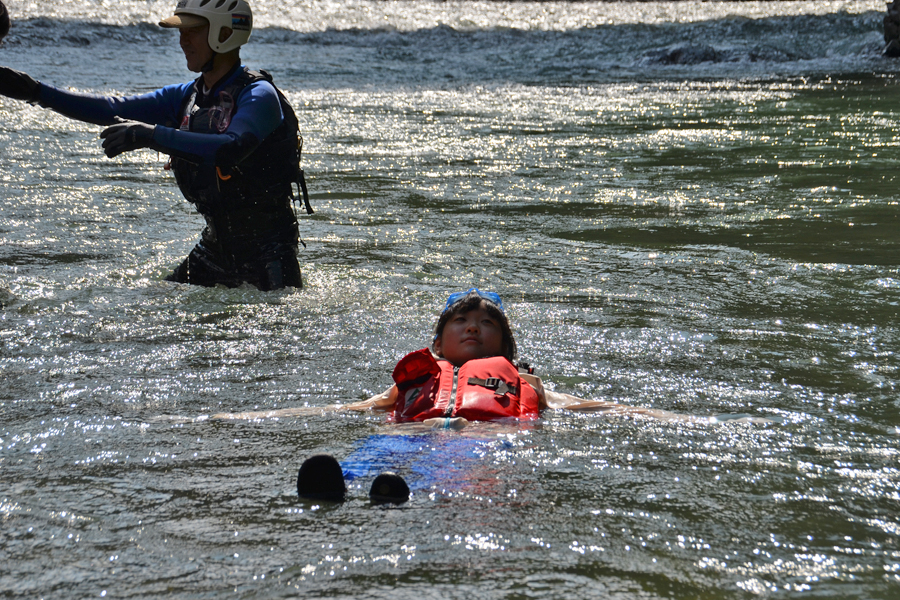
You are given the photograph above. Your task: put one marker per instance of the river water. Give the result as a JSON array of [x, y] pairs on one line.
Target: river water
[[691, 206]]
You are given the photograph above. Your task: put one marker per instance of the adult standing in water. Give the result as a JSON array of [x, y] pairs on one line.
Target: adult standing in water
[[233, 141]]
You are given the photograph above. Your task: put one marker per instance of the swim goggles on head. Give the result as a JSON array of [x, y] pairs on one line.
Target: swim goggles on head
[[491, 297]]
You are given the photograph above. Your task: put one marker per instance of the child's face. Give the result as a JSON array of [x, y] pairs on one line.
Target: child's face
[[475, 334]]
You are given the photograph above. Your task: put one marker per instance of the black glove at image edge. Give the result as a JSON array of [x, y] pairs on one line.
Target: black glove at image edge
[[4, 21], [19, 86]]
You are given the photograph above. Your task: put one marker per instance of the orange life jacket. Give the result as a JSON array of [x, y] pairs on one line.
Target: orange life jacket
[[483, 389]]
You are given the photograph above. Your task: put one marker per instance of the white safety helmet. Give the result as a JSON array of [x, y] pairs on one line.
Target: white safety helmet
[[233, 14]]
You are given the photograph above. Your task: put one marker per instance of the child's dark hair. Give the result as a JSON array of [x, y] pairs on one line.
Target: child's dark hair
[[472, 301]]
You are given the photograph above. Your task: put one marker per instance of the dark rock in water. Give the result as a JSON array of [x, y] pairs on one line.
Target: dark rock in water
[[767, 54], [687, 54], [77, 40], [4, 21]]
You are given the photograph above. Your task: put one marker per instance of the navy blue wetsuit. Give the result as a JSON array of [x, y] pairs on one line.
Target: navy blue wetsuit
[[229, 149]]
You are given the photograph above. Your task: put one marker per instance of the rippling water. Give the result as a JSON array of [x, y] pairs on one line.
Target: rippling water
[[691, 206]]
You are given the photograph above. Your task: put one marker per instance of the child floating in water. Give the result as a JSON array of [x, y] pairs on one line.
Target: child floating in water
[[468, 374]]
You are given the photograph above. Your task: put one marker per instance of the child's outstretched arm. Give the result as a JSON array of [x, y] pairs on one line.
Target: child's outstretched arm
[[383, 401], [558, 400], [566, 402]]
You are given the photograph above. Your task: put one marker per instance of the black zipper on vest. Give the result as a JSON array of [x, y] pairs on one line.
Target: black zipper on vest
[[452, 404]]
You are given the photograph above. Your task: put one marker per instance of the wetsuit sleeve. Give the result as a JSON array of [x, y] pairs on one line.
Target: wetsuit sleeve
[[161, 107], [257, 114]]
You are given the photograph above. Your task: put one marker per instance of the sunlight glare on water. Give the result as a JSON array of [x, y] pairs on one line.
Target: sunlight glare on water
[[689, 206]]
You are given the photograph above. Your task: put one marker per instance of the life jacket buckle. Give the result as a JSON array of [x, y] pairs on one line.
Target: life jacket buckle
[[496, 384]]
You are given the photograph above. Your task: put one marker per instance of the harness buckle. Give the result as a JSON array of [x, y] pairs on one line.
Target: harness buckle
[[492, 383], [496, 384]]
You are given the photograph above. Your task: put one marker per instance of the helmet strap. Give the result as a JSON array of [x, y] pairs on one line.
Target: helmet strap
[[209, 64]]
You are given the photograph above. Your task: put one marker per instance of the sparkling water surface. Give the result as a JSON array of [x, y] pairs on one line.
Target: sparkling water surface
[[691, 206]]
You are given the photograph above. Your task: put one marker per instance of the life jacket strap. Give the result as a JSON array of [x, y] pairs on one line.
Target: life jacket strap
[[499, 386], [304, 193]]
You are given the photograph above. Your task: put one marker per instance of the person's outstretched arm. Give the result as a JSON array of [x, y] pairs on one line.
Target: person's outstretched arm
[[158, 108], [557, 400], [383, 401], [152, 120]]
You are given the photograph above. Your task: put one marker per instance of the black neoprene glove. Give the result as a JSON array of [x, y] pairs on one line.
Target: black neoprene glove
[[4, 22], [126, 136], [18, 85]]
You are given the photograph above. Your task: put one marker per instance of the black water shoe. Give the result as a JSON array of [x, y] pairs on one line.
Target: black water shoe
[[389, 487], [321, 478]]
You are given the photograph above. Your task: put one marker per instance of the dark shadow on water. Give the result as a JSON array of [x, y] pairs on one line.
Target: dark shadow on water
[[804, 241], [19, 258]]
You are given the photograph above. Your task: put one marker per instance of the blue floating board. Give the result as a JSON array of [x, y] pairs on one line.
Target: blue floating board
[[424, 460]]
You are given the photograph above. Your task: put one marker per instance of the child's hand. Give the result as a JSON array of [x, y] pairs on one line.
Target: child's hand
[[454, 423]]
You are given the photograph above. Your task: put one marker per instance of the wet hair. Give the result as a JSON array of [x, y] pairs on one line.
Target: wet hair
[[472, 301]]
